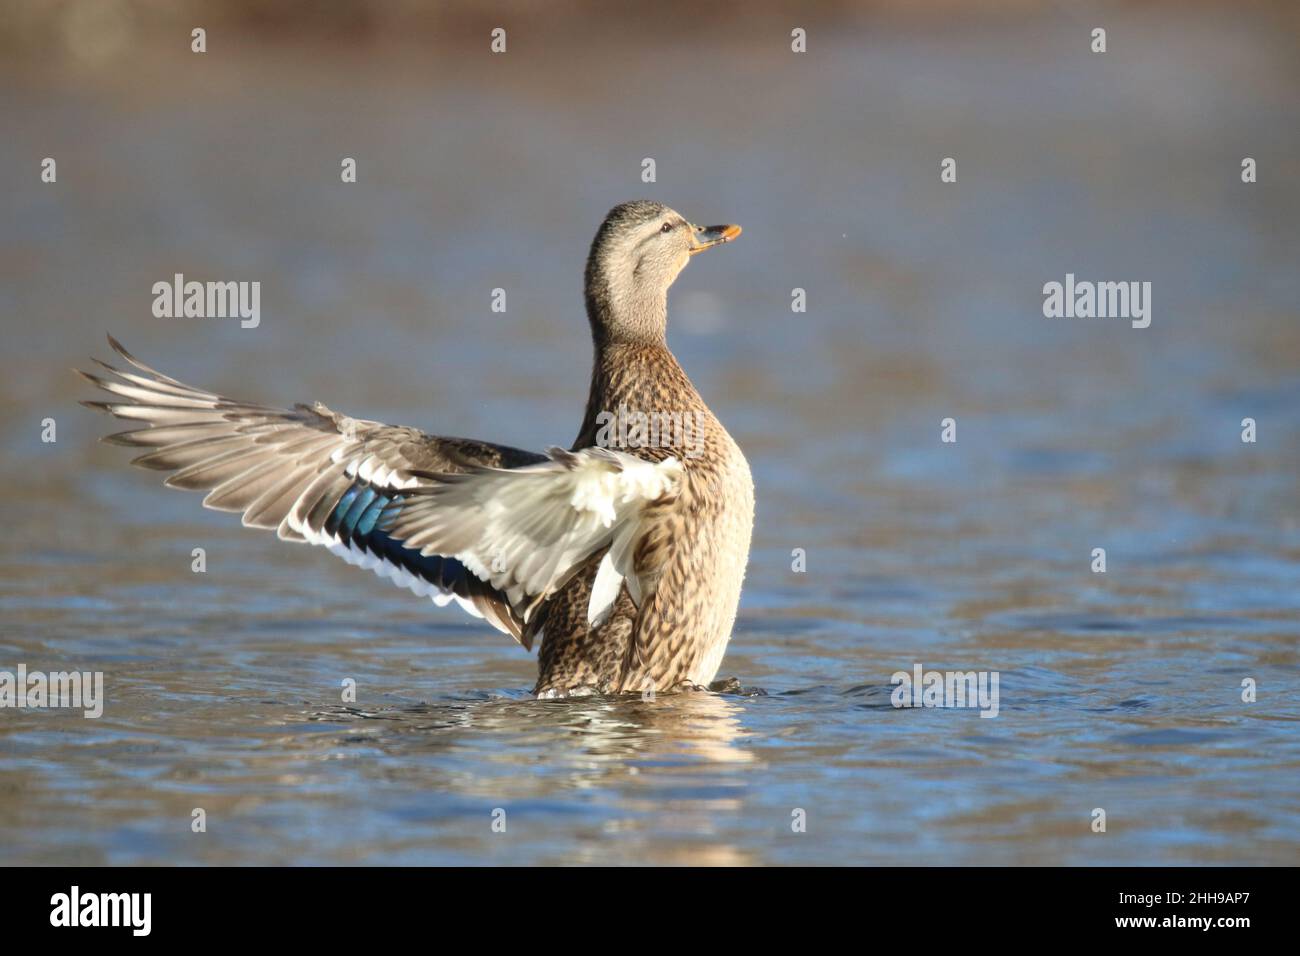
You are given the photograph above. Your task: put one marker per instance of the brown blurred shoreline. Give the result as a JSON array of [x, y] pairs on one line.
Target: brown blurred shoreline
[[100, 31]]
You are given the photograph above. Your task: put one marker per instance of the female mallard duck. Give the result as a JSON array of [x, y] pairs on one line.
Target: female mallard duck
[[626, 553]]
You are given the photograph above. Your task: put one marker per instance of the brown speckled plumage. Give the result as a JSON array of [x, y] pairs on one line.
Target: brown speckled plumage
[[410, 506], [700, 543]]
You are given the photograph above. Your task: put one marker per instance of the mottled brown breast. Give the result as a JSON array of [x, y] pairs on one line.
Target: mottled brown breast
[[694, 549]]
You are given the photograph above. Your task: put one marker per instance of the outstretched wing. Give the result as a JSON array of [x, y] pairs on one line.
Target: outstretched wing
[[527, 530], [495, 529], [310, 474]]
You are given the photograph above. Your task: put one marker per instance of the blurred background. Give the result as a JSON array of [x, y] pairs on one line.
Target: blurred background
[[478, 170]]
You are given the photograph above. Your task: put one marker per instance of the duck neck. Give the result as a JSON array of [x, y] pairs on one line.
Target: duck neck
[[626, 312], [639, 376]]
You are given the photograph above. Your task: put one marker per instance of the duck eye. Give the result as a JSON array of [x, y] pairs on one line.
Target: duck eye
[[666, 227]]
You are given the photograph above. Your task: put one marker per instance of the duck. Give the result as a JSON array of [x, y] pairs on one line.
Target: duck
[[625, 554]]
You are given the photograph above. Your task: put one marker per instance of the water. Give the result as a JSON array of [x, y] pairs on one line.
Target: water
[[1119, 691]]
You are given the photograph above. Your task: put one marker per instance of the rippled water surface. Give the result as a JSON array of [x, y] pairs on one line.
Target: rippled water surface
[[1119, 691]]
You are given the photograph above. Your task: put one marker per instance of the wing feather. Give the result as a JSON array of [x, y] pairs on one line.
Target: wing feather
[[526, 531], [289, 470]]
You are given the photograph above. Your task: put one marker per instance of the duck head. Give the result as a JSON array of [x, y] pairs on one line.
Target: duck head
[[637, 254]]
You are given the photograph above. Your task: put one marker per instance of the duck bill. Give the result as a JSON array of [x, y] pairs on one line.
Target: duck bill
[[706, 237]]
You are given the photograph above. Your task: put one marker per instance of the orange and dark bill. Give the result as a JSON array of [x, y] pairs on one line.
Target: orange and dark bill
[[704, 237]]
